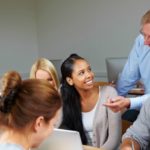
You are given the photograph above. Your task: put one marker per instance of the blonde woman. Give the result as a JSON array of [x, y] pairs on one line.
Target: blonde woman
[[44, 69]]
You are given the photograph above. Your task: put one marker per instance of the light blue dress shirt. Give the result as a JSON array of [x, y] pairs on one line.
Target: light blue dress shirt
[[136, 68]]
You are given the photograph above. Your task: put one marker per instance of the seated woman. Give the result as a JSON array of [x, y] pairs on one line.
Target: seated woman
[[44, 69], [28, 111], [83, 108]]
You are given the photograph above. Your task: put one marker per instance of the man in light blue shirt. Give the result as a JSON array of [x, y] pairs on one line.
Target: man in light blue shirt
[[136, 68]]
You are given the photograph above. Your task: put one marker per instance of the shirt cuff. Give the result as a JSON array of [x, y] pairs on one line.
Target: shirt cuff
[[137, 102]]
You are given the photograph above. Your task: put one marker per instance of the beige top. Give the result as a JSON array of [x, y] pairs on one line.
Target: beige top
[[107, 124]]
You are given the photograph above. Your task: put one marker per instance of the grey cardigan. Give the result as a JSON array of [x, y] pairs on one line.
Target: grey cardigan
[[107, 124], [140, 130]]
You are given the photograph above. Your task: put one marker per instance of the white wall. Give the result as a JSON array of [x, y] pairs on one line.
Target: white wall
[[18, 35], [95, 29]]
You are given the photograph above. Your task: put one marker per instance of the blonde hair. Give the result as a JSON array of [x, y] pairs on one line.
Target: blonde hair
[[146, 18], [46, 65]]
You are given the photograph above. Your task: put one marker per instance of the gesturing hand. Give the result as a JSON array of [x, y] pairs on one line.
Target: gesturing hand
[[118, 103]]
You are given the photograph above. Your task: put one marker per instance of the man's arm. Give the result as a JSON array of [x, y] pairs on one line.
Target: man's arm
[[130, 74], [129, 144], [119, 103]]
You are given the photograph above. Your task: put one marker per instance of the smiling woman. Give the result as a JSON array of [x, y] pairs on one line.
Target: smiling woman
[[83, 108]]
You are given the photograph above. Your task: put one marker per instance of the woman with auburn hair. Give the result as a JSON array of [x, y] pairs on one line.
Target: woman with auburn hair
[[28, 111], [44, 69]]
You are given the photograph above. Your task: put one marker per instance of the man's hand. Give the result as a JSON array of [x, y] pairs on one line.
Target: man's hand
[[129, 144], [118, 103]]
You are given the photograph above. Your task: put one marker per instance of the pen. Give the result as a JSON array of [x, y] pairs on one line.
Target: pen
[[132, 145]]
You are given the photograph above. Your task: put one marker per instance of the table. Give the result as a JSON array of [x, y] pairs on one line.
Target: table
[[85, 147], [134, 91]]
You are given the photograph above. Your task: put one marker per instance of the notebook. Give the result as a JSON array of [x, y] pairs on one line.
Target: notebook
[[62, 140]]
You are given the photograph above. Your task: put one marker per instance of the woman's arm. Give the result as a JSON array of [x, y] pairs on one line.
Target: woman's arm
[[114, 126], [114, 131]]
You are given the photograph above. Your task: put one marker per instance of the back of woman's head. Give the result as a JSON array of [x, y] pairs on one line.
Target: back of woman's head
[[67, 66], [22, 102], [46, 65]]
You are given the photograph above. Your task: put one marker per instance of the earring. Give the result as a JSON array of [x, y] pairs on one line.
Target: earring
[[69, 81], [71, 84]]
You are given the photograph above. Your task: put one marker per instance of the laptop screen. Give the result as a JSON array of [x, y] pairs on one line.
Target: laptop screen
[[62, 140]]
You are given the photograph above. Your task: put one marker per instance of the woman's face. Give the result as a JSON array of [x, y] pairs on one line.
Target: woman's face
[[82, 76], [44, 130], [42, 74]]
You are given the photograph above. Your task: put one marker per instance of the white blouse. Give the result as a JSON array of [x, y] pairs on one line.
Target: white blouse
[[87, 119]]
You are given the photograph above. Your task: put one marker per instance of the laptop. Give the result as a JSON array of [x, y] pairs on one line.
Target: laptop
[[62, 139]]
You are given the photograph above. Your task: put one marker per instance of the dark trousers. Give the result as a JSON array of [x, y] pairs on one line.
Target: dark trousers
[[130, 115]]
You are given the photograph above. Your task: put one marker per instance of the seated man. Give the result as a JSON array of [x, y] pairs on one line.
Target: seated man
[[138, 135]]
